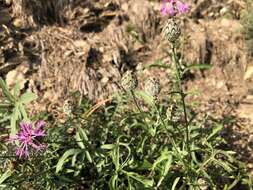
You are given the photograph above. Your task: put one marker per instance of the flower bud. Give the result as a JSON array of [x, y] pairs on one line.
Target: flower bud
[[129, 81], [153, 87], [171, 31]]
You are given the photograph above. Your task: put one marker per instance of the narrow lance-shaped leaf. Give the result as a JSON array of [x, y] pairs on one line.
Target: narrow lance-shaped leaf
[[215, 130], [65, 156], [6, 91], [113, 183], [14, 117], [146, 182], [175, 183], [5, 176], [16, 90]]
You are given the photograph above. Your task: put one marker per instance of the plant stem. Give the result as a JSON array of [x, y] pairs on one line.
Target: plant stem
[[135, 101], [141, 111], [181, 92]]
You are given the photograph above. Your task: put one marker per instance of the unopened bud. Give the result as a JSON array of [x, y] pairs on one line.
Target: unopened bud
[[129, 81], [171, 31], [153, 87]]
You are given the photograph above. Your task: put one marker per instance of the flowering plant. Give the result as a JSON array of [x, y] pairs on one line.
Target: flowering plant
[[174, 7], [28, 137]]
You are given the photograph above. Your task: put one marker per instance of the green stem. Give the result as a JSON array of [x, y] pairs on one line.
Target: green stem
[[135, 101], [181, 92], [164, 125], [140, 110]]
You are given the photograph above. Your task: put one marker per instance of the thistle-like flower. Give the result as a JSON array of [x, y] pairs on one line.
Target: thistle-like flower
[[153, 87], [27, 138], [129, 81], [171, 31], [174, 7]]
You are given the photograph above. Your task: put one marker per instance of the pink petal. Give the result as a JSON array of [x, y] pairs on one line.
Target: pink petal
[[171, 9], [182, 7], [163, 9]]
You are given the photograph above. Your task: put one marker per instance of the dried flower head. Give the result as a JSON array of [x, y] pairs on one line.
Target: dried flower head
[[174, 7], [129, 81], [27, 138], [153, 87], [203, 184], [171, 31], [67, 107]]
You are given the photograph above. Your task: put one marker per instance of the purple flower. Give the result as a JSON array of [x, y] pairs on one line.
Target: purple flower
[[174, 7], [28, 138]]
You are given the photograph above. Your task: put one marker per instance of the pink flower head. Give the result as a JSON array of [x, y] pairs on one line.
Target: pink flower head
[[174, 7], [28, 138]]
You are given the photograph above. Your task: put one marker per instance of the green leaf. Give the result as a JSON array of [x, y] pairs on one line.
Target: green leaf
[[175, 183], [23, 112], [164, 156], [211, 183], [108, 146], [215, 130], [145, 165], [27, 97], [147, 98], [64, 158], [6, 175], [113, 183], [146, 182], [158, 63], [6, 91], [224, 165], [16, 90], [166, 159], [82, 139], [79, 140], [88, 156], [167, 165], [14, 117], [198, 66], [5, 105]]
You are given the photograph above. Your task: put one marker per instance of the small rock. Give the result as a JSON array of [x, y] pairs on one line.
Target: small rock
[[220, 84], [245, 110], [223, 10], [249, 73], [17, 22], [125, 7], [8, 2], [17, 75], [211, 14], [105, 80]]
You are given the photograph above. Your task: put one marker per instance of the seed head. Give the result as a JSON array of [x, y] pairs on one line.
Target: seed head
[[171, 31], [129, 81], [153, 87]]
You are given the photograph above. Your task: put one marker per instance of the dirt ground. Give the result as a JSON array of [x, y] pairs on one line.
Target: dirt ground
[[56, 47]]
